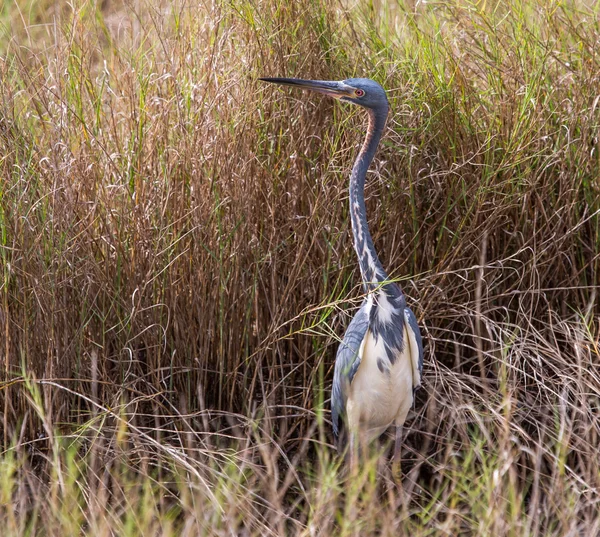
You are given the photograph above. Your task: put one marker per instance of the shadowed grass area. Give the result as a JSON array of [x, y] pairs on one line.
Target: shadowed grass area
[[177, 265]]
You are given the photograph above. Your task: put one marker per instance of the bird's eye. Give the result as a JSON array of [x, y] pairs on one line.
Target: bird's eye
[[359, 92]]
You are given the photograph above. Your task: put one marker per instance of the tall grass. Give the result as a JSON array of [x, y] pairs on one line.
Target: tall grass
[[177, 266]]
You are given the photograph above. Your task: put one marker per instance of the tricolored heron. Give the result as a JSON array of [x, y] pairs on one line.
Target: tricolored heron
[[379, 362]]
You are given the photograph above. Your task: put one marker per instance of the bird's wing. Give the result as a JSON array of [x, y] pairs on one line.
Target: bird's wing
[[416, 346], [347, 361]]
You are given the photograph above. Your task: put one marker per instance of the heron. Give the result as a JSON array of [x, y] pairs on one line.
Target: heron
[[379, 362]]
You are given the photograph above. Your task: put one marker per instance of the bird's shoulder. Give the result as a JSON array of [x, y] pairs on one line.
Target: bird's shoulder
[[348, 351]]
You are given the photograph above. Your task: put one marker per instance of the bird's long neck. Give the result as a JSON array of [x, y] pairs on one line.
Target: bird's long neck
[[373, 273]]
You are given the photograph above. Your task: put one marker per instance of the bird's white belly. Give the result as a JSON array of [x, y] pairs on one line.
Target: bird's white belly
[[378, 399]]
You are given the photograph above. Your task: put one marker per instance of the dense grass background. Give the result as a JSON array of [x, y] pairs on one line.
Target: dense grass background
[[177, 266]]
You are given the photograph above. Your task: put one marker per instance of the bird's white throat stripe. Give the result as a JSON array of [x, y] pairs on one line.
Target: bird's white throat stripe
[[368, 263]]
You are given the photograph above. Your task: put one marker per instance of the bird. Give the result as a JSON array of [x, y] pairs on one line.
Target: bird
[[379, 362]]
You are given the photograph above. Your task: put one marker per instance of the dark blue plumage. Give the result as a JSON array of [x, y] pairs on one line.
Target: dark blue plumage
[[346, 364]]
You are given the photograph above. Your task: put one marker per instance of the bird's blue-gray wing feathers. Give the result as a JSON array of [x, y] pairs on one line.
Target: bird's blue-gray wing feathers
[[416, 346], [347, 361]]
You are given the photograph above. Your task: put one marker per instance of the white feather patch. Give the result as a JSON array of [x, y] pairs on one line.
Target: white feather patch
[[385, 310]]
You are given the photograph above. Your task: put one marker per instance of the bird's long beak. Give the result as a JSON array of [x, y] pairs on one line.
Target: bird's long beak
[[333, 89]]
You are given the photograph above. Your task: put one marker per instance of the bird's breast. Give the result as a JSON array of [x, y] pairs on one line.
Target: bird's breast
[[381, 392]]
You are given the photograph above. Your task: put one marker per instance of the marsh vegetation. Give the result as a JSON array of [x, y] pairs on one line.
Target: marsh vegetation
[[177, 266]]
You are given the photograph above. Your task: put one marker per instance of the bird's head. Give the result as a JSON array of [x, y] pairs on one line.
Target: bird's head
[[361, 91]]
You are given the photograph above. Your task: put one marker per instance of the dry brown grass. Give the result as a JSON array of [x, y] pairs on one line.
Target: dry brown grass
[[177, 266]]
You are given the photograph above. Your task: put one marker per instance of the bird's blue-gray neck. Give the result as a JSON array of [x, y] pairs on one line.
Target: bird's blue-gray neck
[[373, 273]]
